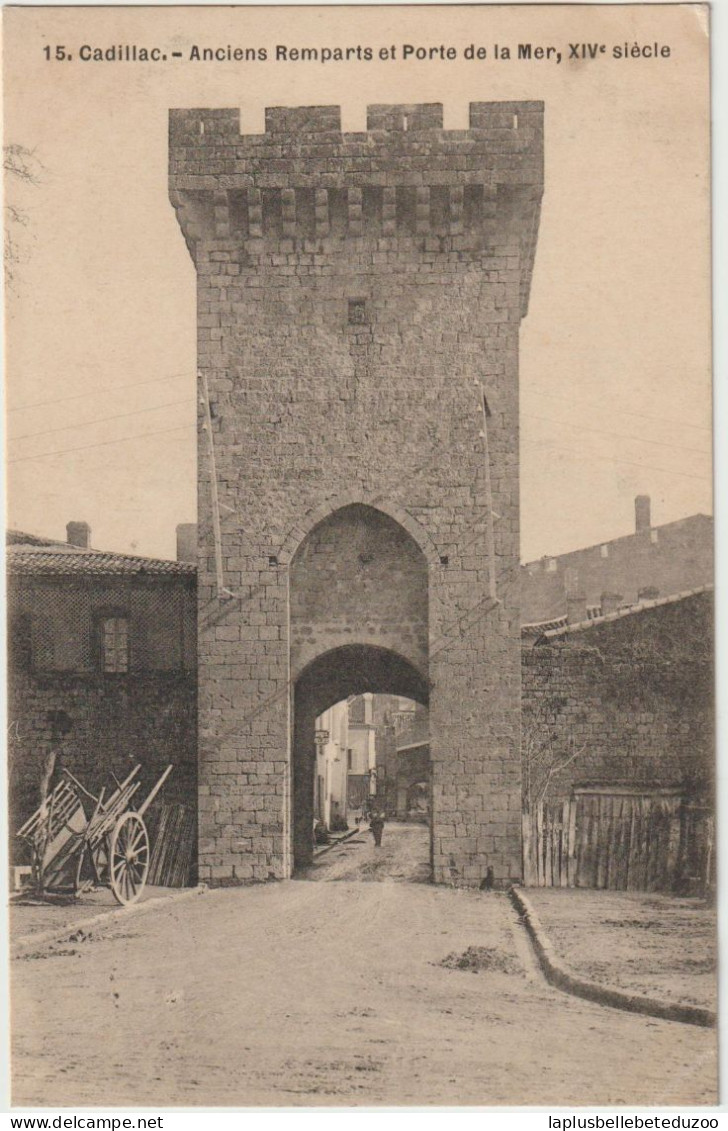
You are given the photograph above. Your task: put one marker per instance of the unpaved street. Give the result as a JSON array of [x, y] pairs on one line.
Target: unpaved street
[[327, 990]]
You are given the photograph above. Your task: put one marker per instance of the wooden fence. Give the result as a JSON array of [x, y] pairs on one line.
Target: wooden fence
[[173, 832], [624, 840]]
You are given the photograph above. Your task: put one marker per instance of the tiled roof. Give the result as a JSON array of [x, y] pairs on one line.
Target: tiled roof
[[628, 611], [539, 627], [40, 557]]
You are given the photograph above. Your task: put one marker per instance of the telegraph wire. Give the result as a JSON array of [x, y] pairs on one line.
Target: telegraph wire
[[617, 435], [102, 443], [103, 389], [620, 411], [547, 446], [99, 420]]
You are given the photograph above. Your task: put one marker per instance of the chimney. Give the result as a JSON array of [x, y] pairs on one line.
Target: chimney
[[187, 542], [611, 602], [78, 534], [642, 513], [576, 608]]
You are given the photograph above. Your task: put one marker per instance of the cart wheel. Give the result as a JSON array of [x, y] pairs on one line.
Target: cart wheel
[[129, 858], [100, 861]]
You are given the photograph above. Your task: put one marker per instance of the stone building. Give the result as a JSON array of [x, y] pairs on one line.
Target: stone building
[[411, 788], [359, 303], [654, 561], [332, 760], [101, 660], [362, 766], [623, 700]]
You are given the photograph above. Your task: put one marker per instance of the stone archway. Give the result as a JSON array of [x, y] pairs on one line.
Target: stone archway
[[358, 601], [350, 670], [358, 577]]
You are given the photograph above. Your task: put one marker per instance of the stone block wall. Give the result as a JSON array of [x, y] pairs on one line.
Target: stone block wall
[[358, 294], [146, 715], [632, 697]]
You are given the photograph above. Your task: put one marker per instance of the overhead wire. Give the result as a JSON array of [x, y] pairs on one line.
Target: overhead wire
[[100, 420], [102, 443], [103, 389], [548, 446], [617, 435], [621, 411]]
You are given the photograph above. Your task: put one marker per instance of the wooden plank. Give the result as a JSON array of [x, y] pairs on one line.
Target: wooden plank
[[631, 846], [607, 838], [564, 856], [708, 874], [603, 830], [595, 841], [673, 848], [624, 811], [658, 845], [549, 847], [634, 845], [652, 837], [580, 841], [571, 860], [643, 845], [613, 858], [555, 842], [539, 844], [526, 847], [586, 860]]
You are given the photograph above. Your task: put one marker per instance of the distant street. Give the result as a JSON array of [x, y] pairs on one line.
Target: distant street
[[404, 856], [335, 992]]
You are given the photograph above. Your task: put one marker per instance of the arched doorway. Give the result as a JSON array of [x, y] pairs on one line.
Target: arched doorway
[[358, 603], [332, 677]]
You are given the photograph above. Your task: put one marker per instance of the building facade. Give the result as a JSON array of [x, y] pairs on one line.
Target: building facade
[[652, 562], [625, 699], [359, 303], [101, 667]]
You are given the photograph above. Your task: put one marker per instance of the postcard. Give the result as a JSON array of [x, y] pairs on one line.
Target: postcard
[[360, 556]]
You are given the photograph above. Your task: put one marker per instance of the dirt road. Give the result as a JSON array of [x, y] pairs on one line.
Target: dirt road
[[338, 992], [404, 856]]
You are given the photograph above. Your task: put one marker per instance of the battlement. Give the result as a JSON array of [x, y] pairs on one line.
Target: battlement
[[203, 124], [205, 144], [404, 177]]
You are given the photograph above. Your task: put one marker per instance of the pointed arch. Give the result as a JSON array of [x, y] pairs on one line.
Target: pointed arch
[[357, 577], [298, 533]]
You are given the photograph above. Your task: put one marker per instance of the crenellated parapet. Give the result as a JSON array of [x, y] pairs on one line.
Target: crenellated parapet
[[404, 178]]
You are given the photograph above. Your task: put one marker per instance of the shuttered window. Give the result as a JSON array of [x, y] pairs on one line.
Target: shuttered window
[[115, 644]]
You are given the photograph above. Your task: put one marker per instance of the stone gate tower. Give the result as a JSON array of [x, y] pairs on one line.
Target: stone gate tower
[[359, 302]]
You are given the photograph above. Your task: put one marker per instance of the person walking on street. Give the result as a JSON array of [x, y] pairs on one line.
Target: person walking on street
[[377, 826]]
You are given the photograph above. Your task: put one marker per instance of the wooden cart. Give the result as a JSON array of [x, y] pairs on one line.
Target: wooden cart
[[73, 853]]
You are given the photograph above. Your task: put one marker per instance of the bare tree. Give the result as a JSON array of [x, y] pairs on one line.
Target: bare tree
[[545, 753], [21, 167]]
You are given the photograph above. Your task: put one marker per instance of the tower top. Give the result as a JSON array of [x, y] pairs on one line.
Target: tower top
[[403, 178], [410, 136]]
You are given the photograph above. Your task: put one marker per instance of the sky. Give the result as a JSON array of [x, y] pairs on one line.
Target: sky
[[100, 329]]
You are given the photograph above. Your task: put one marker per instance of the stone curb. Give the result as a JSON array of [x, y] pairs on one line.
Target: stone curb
[[64, 934], [558, 975]]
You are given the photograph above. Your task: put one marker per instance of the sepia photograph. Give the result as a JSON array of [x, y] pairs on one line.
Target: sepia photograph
[[360, 720]]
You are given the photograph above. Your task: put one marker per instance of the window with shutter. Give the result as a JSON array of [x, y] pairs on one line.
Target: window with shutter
[[115, 644]]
